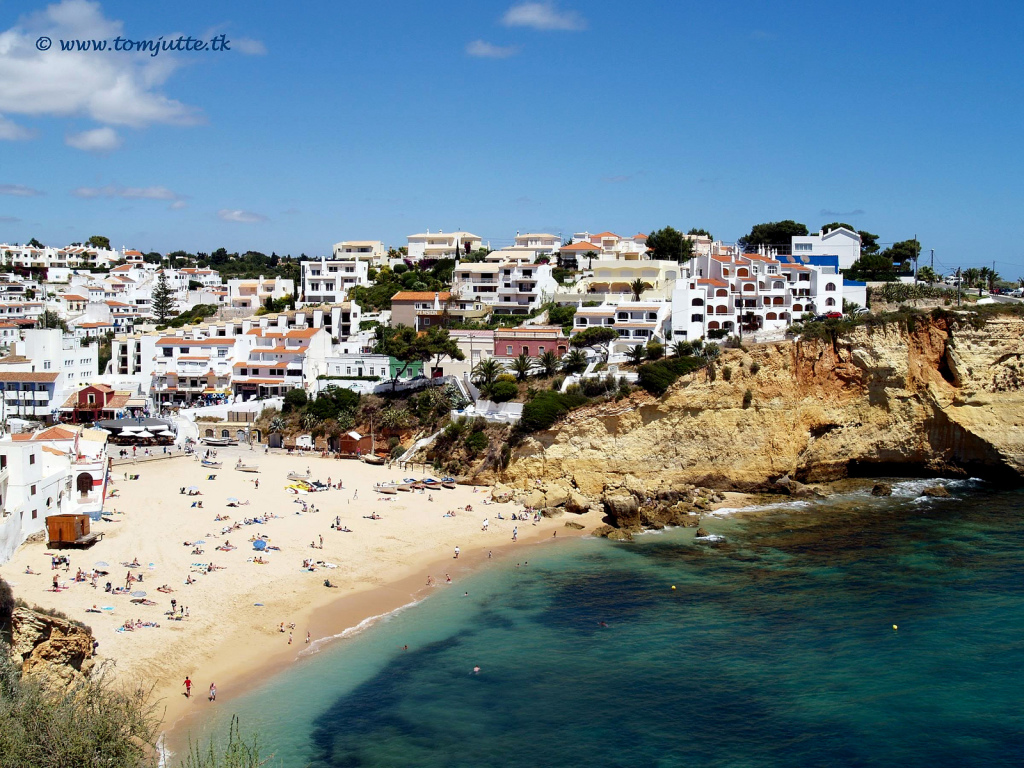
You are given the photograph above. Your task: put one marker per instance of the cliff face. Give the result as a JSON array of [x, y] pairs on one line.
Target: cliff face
[[49, 646], [943, 398]]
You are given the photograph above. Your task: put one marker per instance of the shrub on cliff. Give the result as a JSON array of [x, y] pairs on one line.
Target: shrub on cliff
[[547, 408], [659, 376], [503, 391]]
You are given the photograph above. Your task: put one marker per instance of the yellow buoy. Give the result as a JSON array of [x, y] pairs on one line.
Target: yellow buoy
[[894, 626], [673, 586]]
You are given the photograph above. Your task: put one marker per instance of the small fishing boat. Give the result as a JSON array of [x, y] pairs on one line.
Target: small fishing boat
[[406, 488], [429, 481], [218, 441], [409, 480], [449, 486], [418, 487], [246, 467], [299, 475], [212, 464], [375, 460], [388, 491], [447, 479]]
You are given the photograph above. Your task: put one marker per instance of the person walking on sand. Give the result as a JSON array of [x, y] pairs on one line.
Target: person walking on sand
[[213, 691], [307, 637], [456, 553], [515, 533], [188, 687]]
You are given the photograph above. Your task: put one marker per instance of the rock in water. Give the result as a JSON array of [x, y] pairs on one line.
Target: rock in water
[[881, 489], [574, 525], [936, 492], [701, 532]]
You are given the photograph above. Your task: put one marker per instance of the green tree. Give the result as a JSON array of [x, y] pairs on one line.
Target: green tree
[[50, 319], [99, 241], [868, 242], [485, 373], [33, 243], [549, 363], [442, 345], [927, 275], [773, 234], [636, 354], [522, 366], [971, 277], [837, 225], [670, 244], [407, 346], [903, 252], [637, 288], [575, 361], [163, 298], [700, 233], [592, 336], [875, 267], [682, 349]]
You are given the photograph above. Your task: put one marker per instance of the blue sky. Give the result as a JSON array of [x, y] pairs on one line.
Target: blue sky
[[335, 120]]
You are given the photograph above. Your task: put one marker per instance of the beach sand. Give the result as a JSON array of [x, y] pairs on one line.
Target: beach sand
[[228, 638]]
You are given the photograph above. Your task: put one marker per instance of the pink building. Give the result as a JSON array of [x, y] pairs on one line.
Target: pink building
[[533, 340]]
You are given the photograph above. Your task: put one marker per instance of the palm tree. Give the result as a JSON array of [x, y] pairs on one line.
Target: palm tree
[[970, 277], [549, 362], [575, 361], [983, 278], [522, 366], [637, 287], [927, 275], [682, 349], [485, 373], [993, 278], [636, 354]]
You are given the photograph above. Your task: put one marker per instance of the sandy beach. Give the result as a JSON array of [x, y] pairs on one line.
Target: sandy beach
[[231, 634]]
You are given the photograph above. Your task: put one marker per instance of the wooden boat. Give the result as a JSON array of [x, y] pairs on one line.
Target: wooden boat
[[247, 467], [218, 441], [418, 487], [406, 488], [449, 486], [388, 491], [375, 460], [212, 464], [299, 475]]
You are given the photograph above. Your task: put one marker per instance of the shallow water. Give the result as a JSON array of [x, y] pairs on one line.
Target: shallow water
[[776, 648]]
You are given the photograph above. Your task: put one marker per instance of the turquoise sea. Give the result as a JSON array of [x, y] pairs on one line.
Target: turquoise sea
[[776, 648]]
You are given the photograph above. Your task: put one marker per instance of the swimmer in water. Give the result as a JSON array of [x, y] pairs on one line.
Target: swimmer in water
[[476, 670]]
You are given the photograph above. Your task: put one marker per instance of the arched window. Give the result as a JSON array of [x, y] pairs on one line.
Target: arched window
[[830, 286], [830, 302], [784, 316], [697, 303], [713, 325], [798, 307], [778, 285], [778, 300], [209, 433], [721, 292], [721, 309], [696, 318], [742, 272], [771, 316], [748, 288], [225, 433]]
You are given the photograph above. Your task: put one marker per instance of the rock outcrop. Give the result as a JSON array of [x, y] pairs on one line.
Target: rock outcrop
[[50, 647], [943, 397]]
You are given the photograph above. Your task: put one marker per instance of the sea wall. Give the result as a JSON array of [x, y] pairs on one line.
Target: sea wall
[[940, 397]]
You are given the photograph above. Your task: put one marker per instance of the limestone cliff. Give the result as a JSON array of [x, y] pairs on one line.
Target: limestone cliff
[[943, 397], [50, 646]]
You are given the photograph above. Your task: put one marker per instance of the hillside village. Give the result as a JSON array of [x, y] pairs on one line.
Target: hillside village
[[440, 346]]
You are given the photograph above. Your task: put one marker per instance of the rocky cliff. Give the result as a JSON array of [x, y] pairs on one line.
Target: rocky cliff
[[50, 646], [936, 396]]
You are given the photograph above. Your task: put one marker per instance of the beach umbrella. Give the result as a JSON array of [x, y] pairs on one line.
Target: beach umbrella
[[259, 545], [101, 564], [192, 488], [199, 541], [232, 498], [140, 593], [165, 433], [143, 433]]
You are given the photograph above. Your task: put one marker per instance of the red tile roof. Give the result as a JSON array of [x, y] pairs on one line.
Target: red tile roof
[[421, 296], [713, 281], [28, 376]]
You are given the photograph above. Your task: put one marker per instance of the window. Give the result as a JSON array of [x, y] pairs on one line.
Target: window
[[32, 459], [830, 302], [526, 350], [803, 247], [830, 287], [3, 461], [540, 349], [222, 352], [33, 493], [35, 513], [46, 365], [91, 399], [168, 352], [508, 350]]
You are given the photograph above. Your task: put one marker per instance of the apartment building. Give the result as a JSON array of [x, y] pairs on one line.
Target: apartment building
[[636, 322], [612, 277], [251, 294], [441, 245], [43, 367], [748, 292], [279, 361], [840, 242], [521, 287], [609, 245], [427, 309], [27, 257], [533, 340], [476, 280], [328, 281], [371, 251]]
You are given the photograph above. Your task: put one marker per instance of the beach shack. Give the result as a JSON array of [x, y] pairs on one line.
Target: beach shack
[[354, 444], [70, 530]]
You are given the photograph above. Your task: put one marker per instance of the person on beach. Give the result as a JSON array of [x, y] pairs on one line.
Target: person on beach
[[213, 691], [515, 533], [308, 638], [188, 687], [456, 552], [485, 525]]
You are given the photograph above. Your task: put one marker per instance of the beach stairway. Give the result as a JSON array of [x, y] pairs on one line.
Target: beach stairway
[[423, 442]]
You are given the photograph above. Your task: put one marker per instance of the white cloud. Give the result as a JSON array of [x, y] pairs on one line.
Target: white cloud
[[127, 193], [9, 219], [18, 190], [177, 205], [240, 217], [113, 88], [10, 131], [248, 46], [485, 50], [96, 140], [544, 16]]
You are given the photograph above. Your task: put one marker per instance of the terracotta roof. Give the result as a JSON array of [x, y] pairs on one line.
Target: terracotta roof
[[305, 333], [14, 359], [604, 234], [54, 451], [117, 304], [173, 341], [94, 325], [21, 437], [713, 281], [584, 246], [122, 268], [55, 433], [640, 236], [27, 376], [723, 259], [73, 297], [421, 296], [132, 253]]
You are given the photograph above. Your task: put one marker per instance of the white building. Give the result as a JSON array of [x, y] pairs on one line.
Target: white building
[[476, 280], [245, 293], [839, 242], [441, 245], [521, 287], [637, 322], [328, 281], [364, 250], [750, 292]]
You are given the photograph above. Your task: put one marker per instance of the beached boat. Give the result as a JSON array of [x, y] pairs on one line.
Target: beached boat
[[246, 467], [387, 490], [218, 441], [449, 486], [212, 464], [406, 488], [418, 487], [375, 460], [299, 475]]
